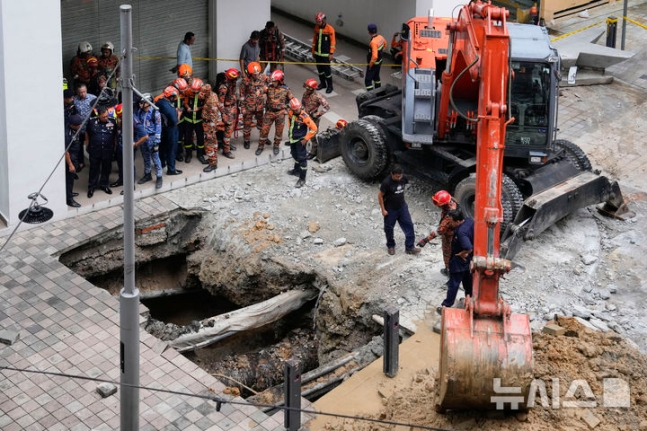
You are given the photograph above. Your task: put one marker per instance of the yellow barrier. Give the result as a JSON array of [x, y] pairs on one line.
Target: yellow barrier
[[593, 25]]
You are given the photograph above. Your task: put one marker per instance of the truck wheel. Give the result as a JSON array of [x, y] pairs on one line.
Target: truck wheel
[[390, 159], [574, 154], [363, 149], [511, 198]]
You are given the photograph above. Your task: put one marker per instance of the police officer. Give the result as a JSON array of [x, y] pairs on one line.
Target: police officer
[[152, 122], [72, 145], [169, 129], [301, 129], [100, 142]]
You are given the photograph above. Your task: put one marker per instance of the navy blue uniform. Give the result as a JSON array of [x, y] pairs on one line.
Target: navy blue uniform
[[73, 147], [459, 269], [170, 133], [102, 139], [398, 211]]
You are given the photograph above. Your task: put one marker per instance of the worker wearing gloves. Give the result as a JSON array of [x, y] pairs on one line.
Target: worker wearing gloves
[[301, 129], [461, 256], [316, 106], [374, 58], [446, 203]]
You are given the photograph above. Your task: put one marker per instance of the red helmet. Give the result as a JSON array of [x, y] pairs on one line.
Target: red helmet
[[277, 75], [93, 62], [254, 67], [196, 85], [171, 91], [311, 83], [232, 73], [184, 70], [180, 84], [341, 124], [119, 110], [295, 105], [320, 16], [441, 198]]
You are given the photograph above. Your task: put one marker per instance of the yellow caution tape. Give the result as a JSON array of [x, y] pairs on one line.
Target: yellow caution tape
[[635, 22], [575, 32], [303, 63]]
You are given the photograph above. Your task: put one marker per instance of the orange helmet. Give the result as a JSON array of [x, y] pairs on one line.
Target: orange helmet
[[171, 91], [184, 70], [254, 67], [196, 85], [320, 16], [180, 84], [295, 105], [340, 124], [441, 198], [93, 62], [119, 110], [232, 73], [277, 75], [311, 83]]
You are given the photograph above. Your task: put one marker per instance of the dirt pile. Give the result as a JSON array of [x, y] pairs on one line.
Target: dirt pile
[[584, 361]]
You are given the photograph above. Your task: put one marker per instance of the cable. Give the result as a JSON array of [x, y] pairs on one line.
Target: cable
[[220, 401], [38, 193]]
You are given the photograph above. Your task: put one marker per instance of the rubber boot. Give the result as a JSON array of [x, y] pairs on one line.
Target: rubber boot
[[302, 179], [246, 145], [188, 154], [201, 157]]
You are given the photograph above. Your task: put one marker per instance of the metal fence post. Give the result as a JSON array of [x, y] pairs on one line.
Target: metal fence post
[[612, 26], [292, 421], [391, 341]]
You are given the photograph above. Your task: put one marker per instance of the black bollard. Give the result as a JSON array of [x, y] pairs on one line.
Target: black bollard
[[612, 25], [292, 418], [391, 341]]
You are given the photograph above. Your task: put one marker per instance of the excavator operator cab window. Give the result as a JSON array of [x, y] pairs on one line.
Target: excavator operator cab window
[[530, 101]]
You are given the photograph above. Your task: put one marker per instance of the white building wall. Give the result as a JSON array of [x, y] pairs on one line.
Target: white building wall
[[31, 101]]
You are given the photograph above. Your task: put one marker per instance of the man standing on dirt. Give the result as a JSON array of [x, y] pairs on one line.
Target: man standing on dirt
[[395, 209], [459, 264]]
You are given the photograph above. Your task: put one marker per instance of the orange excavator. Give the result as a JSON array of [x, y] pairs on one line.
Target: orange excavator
[[485, 340]]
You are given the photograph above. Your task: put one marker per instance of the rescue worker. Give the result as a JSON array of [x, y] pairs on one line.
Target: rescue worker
[[228, 106], [93, 66], [79, 64], [301, 129], [186, 72], [152, 122], [272, 45], [396, 47], [461, 257], [443, 200], [374, 58], [210, 118], [323, 49], [192, 114], [108, 63], [316, 106], [182, 86], [72, 144], [278, 97], [170, 114], [100, 142], [252, 99]]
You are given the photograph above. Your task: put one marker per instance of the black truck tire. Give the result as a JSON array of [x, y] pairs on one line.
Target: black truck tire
[[390, 158], [574, 154], [511, 198], [363, 148]]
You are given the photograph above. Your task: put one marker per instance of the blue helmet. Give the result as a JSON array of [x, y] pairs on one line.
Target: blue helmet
[[372, 28]]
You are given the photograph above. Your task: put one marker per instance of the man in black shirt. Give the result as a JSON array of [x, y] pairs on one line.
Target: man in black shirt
[[394, 208], [461, 257]]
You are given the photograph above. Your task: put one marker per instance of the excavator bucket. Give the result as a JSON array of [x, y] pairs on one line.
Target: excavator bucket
[[475, 352]]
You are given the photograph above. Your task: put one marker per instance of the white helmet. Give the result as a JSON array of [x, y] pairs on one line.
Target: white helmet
[[108, 45], [85, 48]]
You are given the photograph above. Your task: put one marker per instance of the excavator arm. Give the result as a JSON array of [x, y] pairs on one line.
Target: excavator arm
[[484, 341]]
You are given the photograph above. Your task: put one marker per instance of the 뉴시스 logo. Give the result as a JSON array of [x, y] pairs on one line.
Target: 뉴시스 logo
[[615, 394]]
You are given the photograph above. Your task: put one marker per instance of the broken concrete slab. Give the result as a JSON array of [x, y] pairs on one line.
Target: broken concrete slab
[[9, 336], [553, 329], [106, 389]]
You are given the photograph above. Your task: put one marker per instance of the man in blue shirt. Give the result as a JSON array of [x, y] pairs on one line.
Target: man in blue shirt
[[170, 133], [184, 51], [461, 257]]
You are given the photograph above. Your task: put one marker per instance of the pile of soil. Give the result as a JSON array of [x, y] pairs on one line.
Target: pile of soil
[[579, 354]]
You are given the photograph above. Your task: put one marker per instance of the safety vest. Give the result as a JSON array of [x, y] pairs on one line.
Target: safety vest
[[324, 41], [195, 116]]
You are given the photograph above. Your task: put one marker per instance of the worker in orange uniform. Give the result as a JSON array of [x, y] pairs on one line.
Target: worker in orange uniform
[[228, 99], [185, 71], [108, 63], [374, 58], [443, 200], [252, 99], [316, 106], [192, 114], [396, 47], [278, 97], [79, 64], [210, 118], [323, 48], [301, 129]]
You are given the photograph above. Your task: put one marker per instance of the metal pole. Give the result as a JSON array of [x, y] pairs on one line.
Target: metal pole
[[624, 25], [390, 360], [129, 296], [292, 416]]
